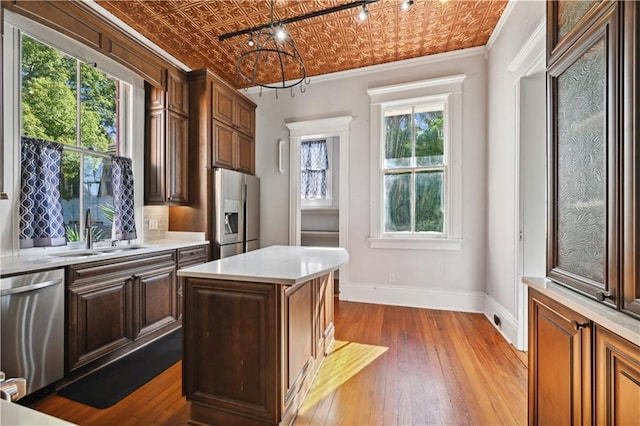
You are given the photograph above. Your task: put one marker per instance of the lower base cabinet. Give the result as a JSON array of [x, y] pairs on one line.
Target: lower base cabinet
[[617, 385], [253, 349], [580, 373], [117, 305]]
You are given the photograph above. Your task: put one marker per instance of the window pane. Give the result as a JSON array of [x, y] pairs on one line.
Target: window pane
[[397, 145], [397, 204], [48, 93], [70, 193], [429, 201], [98, 99], [429, 137], [98, 195]]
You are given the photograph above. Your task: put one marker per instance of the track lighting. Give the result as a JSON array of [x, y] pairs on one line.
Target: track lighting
[[281, 34], [406, 5], [362, 16]]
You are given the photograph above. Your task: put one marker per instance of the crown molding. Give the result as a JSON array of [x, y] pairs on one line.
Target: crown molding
[[501, 23]]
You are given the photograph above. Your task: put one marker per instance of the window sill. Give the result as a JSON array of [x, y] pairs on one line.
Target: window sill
[[416, 244]]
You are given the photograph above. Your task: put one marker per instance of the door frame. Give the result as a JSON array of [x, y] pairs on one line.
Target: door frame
[[530, 60], [338, 127]]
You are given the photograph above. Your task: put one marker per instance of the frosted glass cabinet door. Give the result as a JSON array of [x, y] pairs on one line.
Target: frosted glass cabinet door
[[583, 171]]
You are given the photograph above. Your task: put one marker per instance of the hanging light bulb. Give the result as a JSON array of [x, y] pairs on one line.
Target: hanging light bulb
[[362, 16], [251, 43]]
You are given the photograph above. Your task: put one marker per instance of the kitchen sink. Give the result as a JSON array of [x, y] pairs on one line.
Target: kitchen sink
[[82, 254], [98, 251]]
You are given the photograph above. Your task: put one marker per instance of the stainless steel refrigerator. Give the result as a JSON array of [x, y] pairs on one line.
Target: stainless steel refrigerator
[[236, 213]]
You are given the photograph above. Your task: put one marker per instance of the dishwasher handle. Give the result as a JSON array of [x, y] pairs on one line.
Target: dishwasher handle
[[30, 287]]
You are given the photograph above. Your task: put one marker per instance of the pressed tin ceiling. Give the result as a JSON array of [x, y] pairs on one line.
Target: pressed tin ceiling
[[189, 30]]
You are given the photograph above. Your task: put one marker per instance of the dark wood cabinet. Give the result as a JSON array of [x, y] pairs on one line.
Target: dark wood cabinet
[[215, 140], [233, 128], [559, 364], [167, 142], [593, 133], [251, 348], [156, 299], [580, 373], [189, 256], [99, 319], [223, 145], [116, 305], [617, 379]]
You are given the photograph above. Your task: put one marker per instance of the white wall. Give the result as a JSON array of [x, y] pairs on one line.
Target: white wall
[[428, 278], [521, 22]]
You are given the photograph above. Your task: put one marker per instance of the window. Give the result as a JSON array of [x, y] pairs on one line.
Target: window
[[316, 178], [65, 100], [415, 166], [414, 169]]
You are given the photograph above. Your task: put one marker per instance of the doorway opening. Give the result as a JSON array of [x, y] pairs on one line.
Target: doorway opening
[[317, 219]]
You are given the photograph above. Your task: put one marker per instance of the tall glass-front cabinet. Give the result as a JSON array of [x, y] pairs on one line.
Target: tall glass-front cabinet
[[593, 149], [584, 345]]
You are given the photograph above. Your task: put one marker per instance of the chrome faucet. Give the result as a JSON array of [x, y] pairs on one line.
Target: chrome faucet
[[87, 229]]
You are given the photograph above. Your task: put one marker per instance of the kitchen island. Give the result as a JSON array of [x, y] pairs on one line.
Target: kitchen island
[[257, 327]]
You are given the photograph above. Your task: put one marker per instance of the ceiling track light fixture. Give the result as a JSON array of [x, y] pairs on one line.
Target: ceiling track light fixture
[[406, 5], [269, 46], [362, 16]]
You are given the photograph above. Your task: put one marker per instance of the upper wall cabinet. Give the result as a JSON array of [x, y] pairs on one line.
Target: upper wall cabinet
[[167, 142], [233, 124], [591, 210]]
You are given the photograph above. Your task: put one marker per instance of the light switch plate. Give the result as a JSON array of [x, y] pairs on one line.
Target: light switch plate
[[153, 224]]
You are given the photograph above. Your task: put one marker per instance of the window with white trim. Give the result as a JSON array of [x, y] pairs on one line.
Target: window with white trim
[[415, 166], [316, 179], [414, 169]]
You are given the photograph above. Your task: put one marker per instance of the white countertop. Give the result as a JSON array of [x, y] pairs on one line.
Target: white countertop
[[15, 414], [287, 265], [47, 259], [615, 321]]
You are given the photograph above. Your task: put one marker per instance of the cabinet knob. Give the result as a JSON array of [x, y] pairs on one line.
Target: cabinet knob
[[134, 277], [579, 325], [602, 295]]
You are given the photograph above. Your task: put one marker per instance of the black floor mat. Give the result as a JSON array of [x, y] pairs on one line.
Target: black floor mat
[[112, 383]]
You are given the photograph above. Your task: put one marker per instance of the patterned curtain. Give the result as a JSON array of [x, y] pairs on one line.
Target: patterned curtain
[[41, 220], [315, 162], [122, 181]]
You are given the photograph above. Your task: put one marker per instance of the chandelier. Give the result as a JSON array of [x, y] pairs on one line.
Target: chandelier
[[270, 51]]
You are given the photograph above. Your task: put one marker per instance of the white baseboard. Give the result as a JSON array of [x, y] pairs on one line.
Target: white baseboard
[[461, 301], [508, 324]]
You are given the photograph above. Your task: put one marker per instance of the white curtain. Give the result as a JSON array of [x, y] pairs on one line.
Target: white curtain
[[315, 163]]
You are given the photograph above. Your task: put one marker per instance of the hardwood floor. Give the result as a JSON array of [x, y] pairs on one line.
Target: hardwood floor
[[389, 366]]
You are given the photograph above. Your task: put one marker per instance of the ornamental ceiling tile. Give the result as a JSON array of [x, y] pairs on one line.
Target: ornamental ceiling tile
[[189, 30]]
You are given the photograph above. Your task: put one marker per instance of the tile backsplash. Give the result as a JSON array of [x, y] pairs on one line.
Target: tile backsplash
[[160, 214]]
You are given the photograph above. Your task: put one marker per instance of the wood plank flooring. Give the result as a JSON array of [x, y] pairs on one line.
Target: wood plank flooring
[[389, 366]]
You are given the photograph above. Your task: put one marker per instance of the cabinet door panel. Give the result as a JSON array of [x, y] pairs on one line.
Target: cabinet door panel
[[223, 103], [245, 154], [156, 294], [299, 333], [177, 158], [154, 164], [99, 320], [617, 379], [231, 324], [583, 172], [559, 364], [223, 151], [177, 93], [245, 116]]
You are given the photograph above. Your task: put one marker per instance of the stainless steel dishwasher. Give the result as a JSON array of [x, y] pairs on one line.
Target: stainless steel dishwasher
[[32, 327]]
